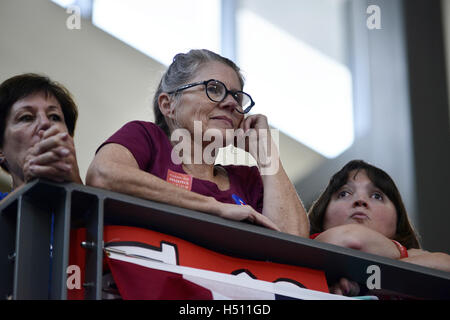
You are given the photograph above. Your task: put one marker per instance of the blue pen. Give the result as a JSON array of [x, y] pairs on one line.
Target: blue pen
[[366, 298], [238, 200]]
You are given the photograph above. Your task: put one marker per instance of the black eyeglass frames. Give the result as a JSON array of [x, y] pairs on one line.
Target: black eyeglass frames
[[217, 92]]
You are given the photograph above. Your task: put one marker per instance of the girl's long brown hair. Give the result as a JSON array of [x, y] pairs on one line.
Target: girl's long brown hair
[[405, 233]]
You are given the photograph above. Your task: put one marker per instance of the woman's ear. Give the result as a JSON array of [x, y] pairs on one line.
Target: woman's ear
[[166, 105]]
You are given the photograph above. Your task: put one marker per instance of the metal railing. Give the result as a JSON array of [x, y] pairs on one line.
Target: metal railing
[[26, 232]]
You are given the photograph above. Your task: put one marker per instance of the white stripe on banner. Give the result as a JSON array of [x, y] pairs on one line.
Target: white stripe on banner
[[226, 286]]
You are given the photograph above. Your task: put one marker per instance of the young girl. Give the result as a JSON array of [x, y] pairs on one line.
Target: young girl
[[362, 209]]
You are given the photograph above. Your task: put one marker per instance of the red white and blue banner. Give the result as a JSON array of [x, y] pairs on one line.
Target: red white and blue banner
[[145, 264], [139, 274]]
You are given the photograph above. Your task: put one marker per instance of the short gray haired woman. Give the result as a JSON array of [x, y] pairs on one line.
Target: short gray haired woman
[[201, 90], [180, 72]]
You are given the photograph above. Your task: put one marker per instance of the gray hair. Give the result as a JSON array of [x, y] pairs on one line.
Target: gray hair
[[183, 68]]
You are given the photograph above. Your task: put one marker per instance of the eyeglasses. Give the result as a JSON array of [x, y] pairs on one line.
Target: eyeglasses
[[217, 92]]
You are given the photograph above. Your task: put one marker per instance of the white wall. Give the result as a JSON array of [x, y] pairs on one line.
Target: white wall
[[319, 24]]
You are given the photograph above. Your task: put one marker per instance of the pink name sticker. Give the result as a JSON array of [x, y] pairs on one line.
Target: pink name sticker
[[179, 179]]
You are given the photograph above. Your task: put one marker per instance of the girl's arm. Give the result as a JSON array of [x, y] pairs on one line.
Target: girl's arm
[[361, 238], [435, 260], [364, 239]]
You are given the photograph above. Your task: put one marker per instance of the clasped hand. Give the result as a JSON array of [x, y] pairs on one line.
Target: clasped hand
[[53, 158]]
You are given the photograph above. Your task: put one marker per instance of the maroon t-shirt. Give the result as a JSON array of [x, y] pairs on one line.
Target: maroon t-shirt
[[152, 150]]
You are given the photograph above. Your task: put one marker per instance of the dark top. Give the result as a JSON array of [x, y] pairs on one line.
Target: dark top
[[152, 150]]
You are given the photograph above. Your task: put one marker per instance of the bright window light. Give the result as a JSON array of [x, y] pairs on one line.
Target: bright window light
[[64, 3], [303, 92], [161, 29]]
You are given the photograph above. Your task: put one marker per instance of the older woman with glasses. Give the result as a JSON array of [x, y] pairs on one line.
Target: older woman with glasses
[[200, 96]]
